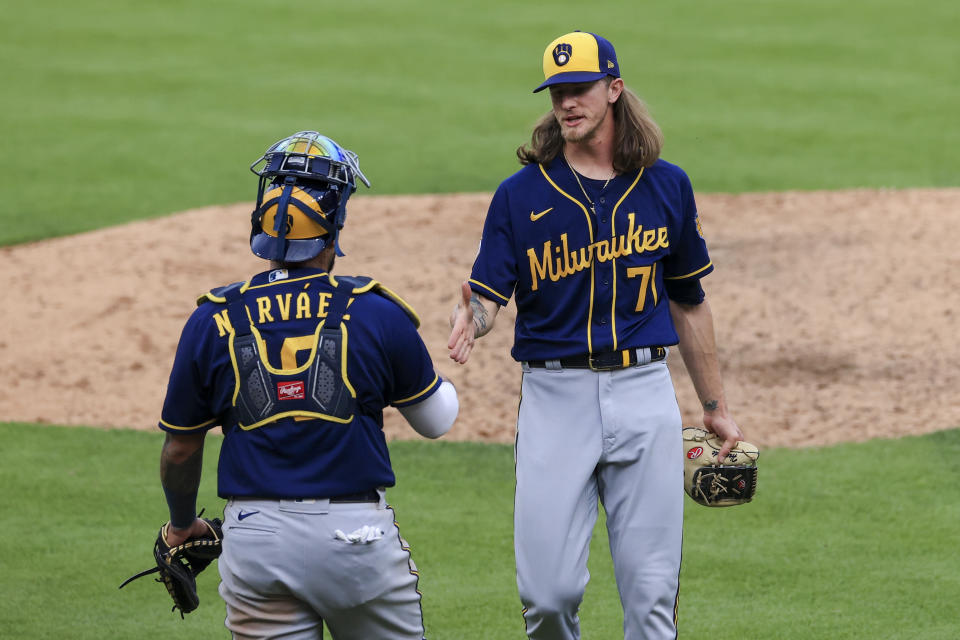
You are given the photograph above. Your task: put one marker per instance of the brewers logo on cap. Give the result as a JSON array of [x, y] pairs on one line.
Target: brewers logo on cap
[[561, 53], [578, 57]]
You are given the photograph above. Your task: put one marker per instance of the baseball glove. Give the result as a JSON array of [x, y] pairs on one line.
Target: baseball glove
[[178, 566], [718, 485]]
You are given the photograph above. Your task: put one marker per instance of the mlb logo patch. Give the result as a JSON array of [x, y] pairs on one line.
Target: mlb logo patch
[[290, 390]]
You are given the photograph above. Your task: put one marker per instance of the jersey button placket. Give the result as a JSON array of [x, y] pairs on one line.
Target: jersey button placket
[[603, 277]]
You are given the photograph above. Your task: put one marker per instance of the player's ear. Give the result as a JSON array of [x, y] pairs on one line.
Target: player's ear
[[614, 89]]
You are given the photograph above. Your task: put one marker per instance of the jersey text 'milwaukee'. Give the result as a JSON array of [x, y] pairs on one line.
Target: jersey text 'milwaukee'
[[566, 262]]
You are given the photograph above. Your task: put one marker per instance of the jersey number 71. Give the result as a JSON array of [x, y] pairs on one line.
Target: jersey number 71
[[648, 278]]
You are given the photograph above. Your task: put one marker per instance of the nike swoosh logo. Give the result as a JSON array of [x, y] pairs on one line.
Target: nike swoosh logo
[[246, 515], [536, 216]]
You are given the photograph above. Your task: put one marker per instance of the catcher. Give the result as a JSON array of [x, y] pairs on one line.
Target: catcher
[[309, 541]]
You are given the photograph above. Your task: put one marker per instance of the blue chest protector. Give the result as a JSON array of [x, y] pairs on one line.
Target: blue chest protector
[[319, 389]]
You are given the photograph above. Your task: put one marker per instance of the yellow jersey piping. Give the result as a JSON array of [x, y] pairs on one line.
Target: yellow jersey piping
[[393, 297], [287, 280], [499, 295], [653, 284], [613, 236], [220, 299], [417, 395], [590, 229], [199, 426], [692, 273]]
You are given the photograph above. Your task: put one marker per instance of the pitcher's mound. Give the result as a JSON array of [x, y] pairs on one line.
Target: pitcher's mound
[[836, 312]]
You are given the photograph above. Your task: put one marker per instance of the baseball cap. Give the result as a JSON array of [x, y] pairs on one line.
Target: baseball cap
[[578, 57]]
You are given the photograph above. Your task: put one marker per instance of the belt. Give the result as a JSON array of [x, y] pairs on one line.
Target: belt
[[605, 361], [364, 496]]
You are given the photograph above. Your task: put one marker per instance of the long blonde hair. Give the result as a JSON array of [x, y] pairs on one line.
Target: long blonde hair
[[637, 138]]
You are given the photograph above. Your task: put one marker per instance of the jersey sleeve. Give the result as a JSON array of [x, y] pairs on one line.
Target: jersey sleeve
[[414, 378], [187, 407], [688, 256], [686, 291], [494, 273]]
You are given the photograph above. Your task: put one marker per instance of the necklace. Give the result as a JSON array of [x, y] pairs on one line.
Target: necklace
[[580, 184]]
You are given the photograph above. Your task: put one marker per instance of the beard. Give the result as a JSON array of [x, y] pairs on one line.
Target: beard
[[579, 135]]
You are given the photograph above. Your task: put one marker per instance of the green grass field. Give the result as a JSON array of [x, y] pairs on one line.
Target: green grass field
[[853, 541], [119, 109]]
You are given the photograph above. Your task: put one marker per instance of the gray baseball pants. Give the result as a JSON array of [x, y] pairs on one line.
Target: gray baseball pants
[[284, 573], [614, 437]]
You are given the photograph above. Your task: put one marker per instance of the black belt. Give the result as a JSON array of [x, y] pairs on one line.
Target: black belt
[[364, 496], [606, 361]]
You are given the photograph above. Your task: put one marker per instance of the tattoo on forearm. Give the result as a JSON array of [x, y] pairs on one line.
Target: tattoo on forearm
[[479, 316], [711, 405]]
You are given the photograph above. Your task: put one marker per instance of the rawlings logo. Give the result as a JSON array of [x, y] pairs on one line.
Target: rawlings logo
[[562, 54], [695, 453], [290, 390]]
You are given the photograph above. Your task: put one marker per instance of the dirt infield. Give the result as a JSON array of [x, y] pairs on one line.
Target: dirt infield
[[837, 313]]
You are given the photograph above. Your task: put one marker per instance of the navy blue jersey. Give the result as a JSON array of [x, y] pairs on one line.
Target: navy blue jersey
[[386, 363], [588, 283]]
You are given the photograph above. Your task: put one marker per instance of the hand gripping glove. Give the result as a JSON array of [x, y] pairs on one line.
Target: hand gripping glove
[[713, 484], [178, 566]]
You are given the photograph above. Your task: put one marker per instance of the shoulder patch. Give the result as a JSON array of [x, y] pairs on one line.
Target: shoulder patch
[[218, 294], [363, 284]]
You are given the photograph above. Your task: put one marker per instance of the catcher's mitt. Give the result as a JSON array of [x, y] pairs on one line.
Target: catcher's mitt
[[178, 566], [713, 484]]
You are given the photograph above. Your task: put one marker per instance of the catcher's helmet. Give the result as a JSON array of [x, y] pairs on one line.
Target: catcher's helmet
[[305, 181]]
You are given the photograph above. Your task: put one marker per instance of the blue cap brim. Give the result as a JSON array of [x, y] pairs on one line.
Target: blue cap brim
[[571, 77]]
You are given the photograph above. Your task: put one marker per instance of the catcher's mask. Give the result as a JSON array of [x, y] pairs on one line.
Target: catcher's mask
[[305, 181]]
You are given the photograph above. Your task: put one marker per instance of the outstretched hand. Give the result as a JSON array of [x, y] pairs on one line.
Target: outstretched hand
[[463, 334]]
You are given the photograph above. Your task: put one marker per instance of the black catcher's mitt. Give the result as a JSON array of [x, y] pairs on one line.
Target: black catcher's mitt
[[178, 566], [713, 484]]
